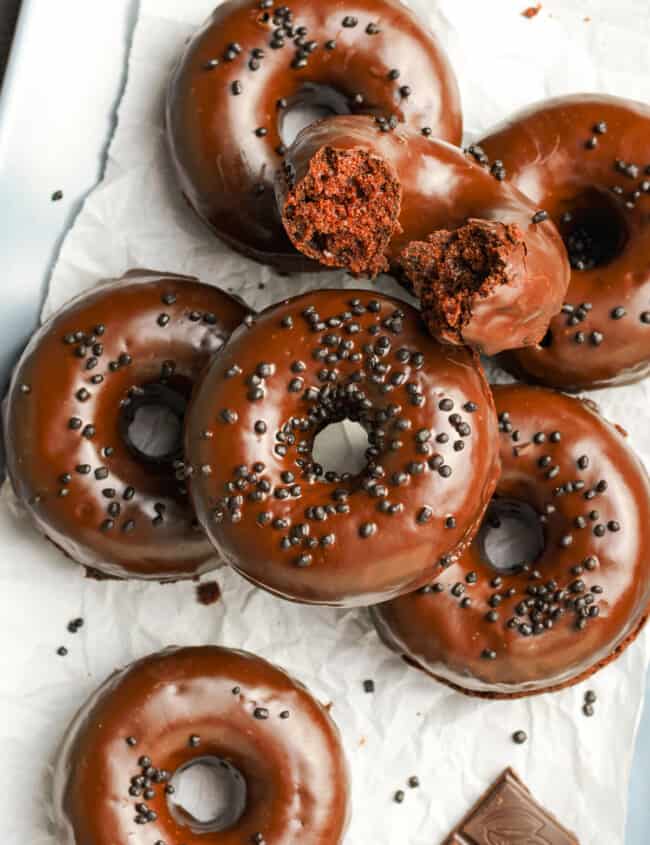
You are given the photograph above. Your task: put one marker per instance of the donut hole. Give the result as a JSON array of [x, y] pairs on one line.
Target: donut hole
[[511, 535], [593, 229], [209, 795], [343, 211], [151, 423], [341, 447], [312, 103]]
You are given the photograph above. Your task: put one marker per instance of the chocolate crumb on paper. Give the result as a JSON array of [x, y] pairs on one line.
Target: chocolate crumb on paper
[[532, 11], [209, 592]]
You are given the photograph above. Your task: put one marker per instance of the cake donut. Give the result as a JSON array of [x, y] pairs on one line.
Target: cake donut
[[585, 160], [302, 532], [490, 270], [253, 62], [277, 750], [538, 626], [84, 386]]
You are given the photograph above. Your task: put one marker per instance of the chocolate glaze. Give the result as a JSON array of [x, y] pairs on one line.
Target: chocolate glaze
[[143, 339], [443, 189], [293, 765], [224, 146], [328, 539], [602, 527], [557, 153]]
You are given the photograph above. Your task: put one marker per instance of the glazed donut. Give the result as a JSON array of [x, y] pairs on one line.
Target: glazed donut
[[318, 537], [252, 62], [572, 479], [489, 271], [585, 160], [277, 747], [109, 502]]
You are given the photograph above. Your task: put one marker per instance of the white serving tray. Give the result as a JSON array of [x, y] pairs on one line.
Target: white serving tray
[[57, 111]]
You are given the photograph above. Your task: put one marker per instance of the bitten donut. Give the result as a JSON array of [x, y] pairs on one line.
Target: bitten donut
[[572, 479], [312, 535], [490, 270], [253, 62], [275, 747], [585, 160], [82, 390]]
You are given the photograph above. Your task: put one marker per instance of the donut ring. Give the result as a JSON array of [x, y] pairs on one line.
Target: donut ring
[[252, 61], [206, 703], [322, 538], [555, 622], [585, 160], [489, 271], [81, 381]]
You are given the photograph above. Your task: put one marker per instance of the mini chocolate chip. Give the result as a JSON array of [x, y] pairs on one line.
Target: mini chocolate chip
[[424, 515], [367, 529]]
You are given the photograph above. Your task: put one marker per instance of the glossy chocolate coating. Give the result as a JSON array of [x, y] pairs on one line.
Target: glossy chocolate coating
[[66, 422], [225, 146], [328, 539], [443, 188], [611, 525], [293, 766], [547, 153]]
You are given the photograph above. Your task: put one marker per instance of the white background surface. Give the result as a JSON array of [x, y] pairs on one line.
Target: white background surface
[[456, 746]]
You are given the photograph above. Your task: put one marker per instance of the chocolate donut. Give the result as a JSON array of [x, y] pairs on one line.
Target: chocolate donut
[[489, 270], [254, 61], [84, 381], [319, 537], [574, 481], [585, 160], [276, 747]]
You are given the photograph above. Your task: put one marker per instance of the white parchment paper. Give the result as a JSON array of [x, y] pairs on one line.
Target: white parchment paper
[[578, 767]]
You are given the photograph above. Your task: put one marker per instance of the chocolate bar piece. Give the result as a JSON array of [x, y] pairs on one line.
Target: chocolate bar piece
[[507, 814]]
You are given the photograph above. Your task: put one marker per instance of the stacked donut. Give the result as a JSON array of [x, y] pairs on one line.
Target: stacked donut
[[533, 245]]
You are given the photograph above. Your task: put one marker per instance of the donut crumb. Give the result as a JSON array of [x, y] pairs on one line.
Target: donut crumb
[[208, 592], [449, 270], [344, 210]]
